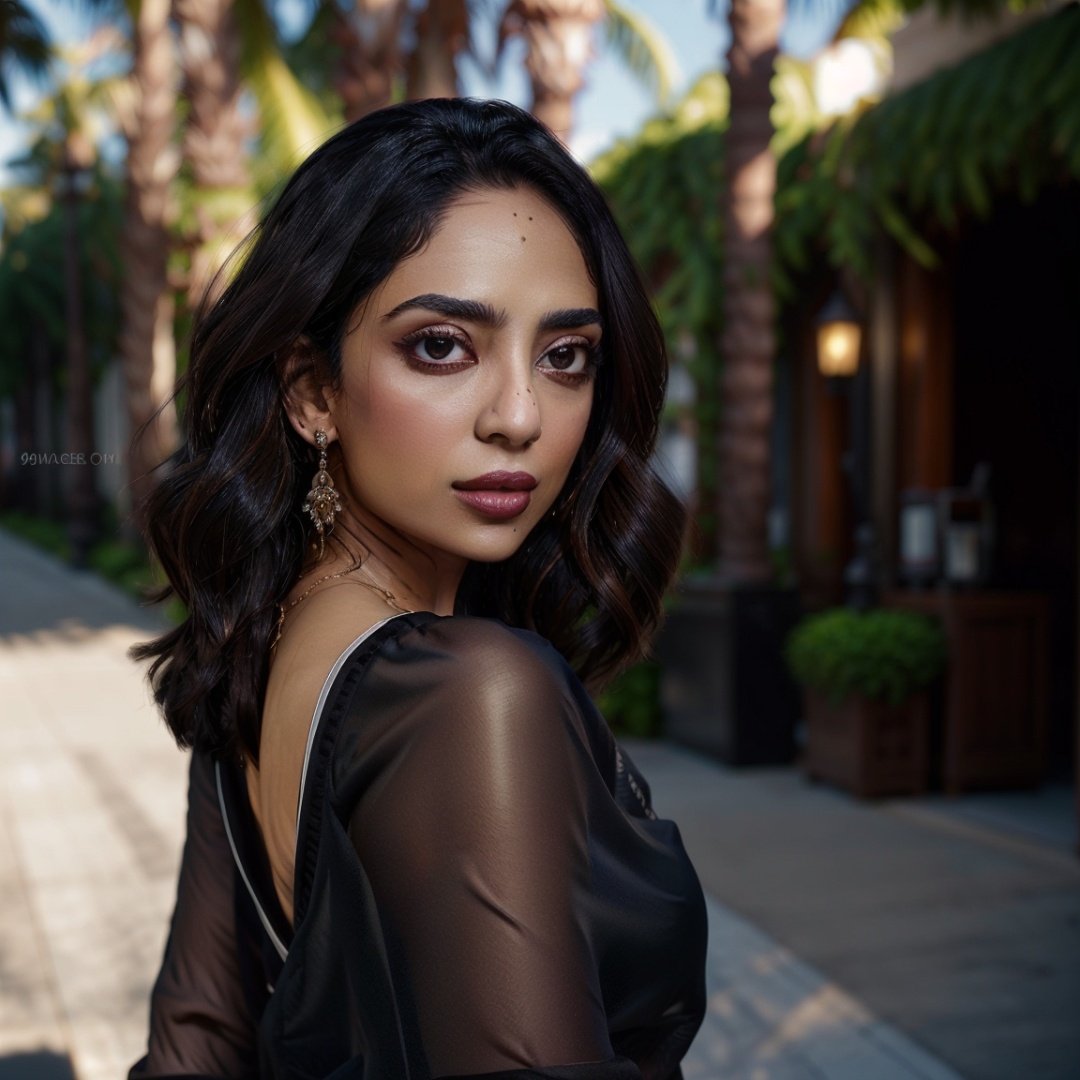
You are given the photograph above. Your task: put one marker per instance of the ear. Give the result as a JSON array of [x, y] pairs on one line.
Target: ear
[[304, 393]]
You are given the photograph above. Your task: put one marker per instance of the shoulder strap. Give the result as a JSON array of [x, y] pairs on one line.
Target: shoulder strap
[[263, 918], [312, 729], [316, 716]]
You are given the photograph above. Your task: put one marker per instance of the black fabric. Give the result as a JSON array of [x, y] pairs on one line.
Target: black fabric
[[479, 889]]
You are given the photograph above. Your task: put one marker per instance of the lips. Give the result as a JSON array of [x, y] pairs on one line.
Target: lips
[[497, 495], [498, 481]]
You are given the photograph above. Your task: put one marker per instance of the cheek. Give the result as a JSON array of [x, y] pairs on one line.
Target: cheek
[[572, 424], [388, 423]]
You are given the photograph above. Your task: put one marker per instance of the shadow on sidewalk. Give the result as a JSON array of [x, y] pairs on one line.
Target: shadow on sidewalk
[[44, 595], [36, 1065]]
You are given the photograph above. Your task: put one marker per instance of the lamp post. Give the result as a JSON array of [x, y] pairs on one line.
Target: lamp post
[[839, 343]]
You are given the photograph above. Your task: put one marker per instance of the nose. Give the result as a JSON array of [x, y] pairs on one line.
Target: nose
[[510, 412]]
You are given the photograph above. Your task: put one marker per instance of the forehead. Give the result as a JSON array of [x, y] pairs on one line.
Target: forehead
[[506, 247]]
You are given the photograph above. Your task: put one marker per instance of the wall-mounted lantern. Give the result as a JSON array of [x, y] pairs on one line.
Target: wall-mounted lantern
[[839, 340], [839, 337]]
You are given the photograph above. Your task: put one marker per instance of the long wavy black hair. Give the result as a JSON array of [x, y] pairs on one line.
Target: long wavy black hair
[[225, 521]]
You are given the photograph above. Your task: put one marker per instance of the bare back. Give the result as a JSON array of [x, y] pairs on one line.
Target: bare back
[[314, 635]]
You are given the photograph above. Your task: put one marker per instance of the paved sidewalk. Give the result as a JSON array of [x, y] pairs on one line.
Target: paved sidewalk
[[91, 819], [92, 794], [965, 937]]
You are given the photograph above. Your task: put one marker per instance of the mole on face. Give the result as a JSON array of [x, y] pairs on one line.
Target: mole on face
[[530, 218]]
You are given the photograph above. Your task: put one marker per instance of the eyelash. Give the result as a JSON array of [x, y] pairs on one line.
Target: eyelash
[[406, 346]]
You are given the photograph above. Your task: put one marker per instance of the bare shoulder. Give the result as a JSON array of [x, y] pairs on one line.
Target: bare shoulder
[[314, 634]]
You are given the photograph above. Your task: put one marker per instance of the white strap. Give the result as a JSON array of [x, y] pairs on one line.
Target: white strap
[[312, 729], [271, 933], [316, 717]]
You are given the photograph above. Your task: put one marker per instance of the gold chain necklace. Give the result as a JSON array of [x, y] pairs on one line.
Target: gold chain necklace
[[386, 594]]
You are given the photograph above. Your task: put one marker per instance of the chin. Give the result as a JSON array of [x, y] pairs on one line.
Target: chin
[[505, 542]]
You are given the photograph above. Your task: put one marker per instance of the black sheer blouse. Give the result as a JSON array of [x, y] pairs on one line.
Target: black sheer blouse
[[481, 887]]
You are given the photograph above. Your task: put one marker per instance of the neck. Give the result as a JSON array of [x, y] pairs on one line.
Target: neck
[[418, 578]]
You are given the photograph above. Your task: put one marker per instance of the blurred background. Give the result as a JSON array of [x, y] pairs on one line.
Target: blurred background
[[860, 223]]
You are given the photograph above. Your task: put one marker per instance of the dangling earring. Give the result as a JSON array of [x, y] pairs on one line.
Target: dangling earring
[[322, 501]]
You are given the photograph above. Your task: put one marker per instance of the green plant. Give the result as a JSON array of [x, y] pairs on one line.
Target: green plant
[[1004, 120], [887, 655], [124, 564], [50, 536], [631, 704]]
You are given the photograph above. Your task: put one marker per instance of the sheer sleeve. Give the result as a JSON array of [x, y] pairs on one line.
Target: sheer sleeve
[[466, 787], [200, 1023]]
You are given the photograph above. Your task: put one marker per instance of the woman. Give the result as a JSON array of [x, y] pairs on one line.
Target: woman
[[414, 848]]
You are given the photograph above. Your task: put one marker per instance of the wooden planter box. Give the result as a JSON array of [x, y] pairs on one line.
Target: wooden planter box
[[996, 689], [868, 747]]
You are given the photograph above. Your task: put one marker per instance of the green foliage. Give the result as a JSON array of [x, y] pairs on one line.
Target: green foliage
[[292, 119], [642, 48], [314, 58], [882, 654], [24, 46], [663, 185], [631, 704], [1005, 120], [32, 302], [50, 536], [124, 564]]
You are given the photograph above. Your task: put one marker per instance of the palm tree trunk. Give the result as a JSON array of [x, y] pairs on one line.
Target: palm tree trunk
[[214, 139], [558, 45], [442, 32], [748, 344], [148, 352], [370, 42]]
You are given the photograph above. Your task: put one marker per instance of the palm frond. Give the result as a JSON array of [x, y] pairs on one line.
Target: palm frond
[[24, 46], [293, 121], [871, 20], [644, 50]]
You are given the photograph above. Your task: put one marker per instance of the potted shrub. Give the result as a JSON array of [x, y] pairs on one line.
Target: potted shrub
[[865, 679]]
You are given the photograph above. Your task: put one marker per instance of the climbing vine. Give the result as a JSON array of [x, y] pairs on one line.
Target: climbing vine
[[1004, 120]]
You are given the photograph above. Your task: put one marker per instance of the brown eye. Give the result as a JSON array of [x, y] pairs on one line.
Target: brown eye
[[438, 348], [571, 359], [564, 356], [434, 349]]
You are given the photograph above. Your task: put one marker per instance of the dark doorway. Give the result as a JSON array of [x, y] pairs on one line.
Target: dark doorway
[[1017, 406]]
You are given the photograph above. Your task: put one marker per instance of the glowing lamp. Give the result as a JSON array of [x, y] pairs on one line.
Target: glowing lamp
[[839, 335]]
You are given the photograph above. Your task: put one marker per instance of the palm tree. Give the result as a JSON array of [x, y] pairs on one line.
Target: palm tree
[[228, 47], [558, 45], [558, 36], [748, 344], [215, 137], [442, 34], [371, 58], [147, 347]]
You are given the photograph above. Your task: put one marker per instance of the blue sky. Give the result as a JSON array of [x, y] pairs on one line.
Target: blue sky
[[612, 105]]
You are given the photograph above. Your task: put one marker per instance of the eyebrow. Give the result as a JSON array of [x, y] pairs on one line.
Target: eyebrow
[[453, 307]]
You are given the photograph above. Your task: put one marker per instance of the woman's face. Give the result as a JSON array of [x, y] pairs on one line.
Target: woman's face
[[467, 381]]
